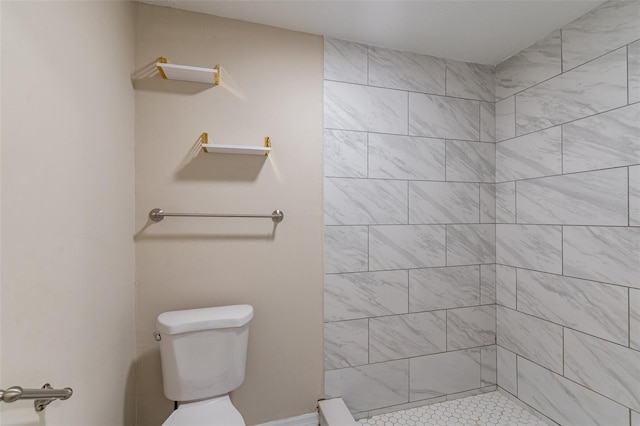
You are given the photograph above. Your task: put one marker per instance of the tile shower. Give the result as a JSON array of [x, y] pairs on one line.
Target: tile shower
[[483, 224]]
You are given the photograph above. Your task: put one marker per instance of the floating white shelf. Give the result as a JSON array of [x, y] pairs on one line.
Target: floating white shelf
[[188, 73], [235, 149]]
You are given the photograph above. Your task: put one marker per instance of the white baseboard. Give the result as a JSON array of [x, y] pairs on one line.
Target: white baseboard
[[310, 419]]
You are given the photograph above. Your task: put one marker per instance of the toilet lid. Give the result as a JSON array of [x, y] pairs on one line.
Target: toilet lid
[[212, 412]]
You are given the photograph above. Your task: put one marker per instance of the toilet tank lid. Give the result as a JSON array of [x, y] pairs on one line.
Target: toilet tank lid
[[176, 322]]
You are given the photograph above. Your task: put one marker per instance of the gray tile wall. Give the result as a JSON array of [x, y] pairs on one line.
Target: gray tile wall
[[410, 232], [466, 207], [568, 211]]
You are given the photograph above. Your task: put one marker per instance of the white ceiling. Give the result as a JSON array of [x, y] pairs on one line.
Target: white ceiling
[[481, 31]]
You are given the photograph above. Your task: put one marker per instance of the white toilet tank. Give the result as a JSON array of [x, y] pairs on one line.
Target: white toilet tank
[[203, 351]]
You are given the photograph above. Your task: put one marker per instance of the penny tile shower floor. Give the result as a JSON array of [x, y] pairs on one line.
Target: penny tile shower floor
[[489, 409]]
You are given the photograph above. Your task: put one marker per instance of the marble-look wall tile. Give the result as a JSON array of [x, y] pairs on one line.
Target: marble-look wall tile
[[406, 246], [487, 284], [594, 87], [346, 344], [634, 196], [471, 81], [471, 162], [609, 369], [471, 244], [404, 336], [442, 288], [606, 254], [506, 202], [530, 337], [536, 247], [345, 154], [595, 308], [442, 117], [634, 72], [487, 203], [364, 201], [345, 61], [386, 383], [606, 140], [443, 374], [529, 156], [634, 318], [406, 71], [471, 327], [443, 202], [507, 370], [589, 198], [506, 286], [365, 294], [488, 365], [354, 107], [346, 249], [607, 27], [506, 119], [487, 122], [564, 401], [406, 157], [533, 65]]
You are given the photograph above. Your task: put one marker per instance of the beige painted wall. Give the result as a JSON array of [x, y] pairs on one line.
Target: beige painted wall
[[272, 85], [67, 209]]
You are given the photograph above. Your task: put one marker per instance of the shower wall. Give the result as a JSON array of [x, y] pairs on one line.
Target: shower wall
[[409, 147], [568, 211]]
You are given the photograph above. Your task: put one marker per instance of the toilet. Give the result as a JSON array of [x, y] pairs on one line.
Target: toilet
[[204, 354]]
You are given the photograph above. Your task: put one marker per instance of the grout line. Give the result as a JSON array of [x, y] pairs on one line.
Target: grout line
[[517, 375], [409, 358], [562, 250], [479, 204], [563, 351], [408, 114], [407, 90], [516, 295], [368, 155], [446, 330], [563, 123], [419, 268], [561, 54], [570, 328], [515, 117], [628, 88], [561, 275], [562, 149], [368, 77], [515, 202], [446, 250], [408, 204], [485, 182], [368, 341], [480, 121]]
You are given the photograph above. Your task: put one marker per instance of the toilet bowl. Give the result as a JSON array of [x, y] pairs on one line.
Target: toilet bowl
[[211, 412], [203, 354]]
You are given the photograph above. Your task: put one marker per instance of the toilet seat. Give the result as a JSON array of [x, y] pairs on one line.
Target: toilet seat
[[211, 412]]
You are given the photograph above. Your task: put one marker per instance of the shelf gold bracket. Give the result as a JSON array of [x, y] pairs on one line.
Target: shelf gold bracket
[[267, 144], [204, 139], [162, 60], [216, 75]]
